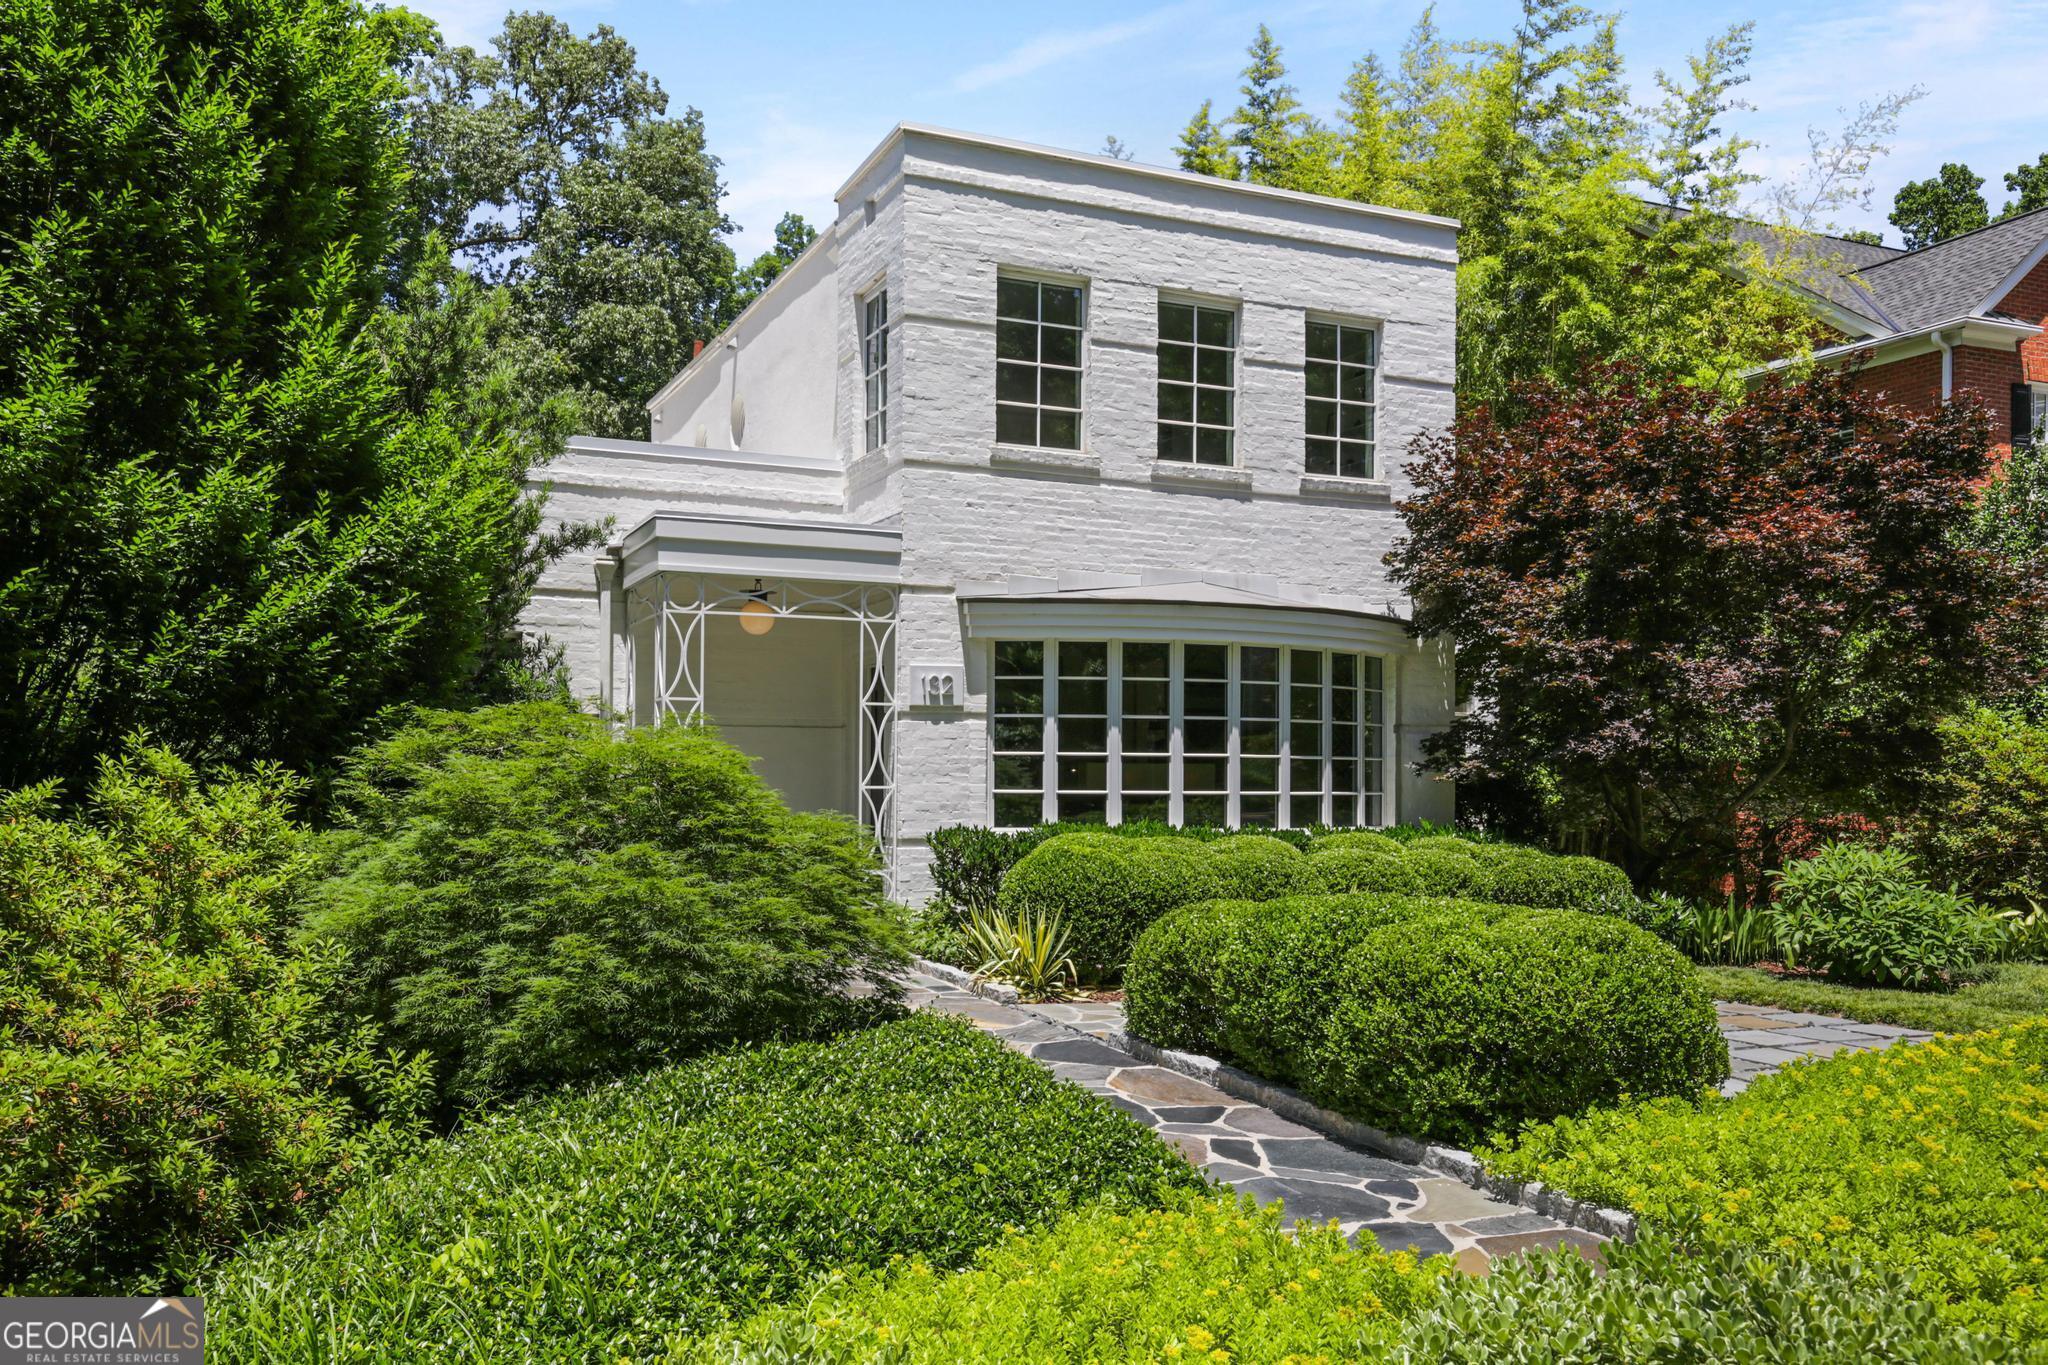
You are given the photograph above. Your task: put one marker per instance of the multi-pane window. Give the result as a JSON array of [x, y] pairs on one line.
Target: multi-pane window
[[1017, 726], [1038, 363], [874, 365], [1197, 383], [1198, 733], [1341, 375]]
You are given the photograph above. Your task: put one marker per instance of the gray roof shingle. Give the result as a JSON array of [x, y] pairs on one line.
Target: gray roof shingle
[[1950, 279]]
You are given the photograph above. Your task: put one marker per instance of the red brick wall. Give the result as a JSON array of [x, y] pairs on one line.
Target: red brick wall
[[1985, 375], [2029, 300]]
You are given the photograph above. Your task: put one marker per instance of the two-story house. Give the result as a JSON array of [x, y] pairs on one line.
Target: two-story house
[[1965, 316], [1043, 486]]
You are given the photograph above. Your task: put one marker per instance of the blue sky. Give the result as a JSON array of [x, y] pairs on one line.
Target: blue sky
[[795, 93]]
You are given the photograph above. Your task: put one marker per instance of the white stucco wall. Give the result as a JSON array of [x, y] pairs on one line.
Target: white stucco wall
[[933, 219]]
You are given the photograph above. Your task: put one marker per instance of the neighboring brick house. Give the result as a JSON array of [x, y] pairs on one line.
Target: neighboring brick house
[[1962, 317], [1043, 486]]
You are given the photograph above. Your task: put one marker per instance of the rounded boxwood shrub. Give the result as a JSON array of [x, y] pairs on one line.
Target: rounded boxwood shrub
[[1169, 985], [1361, 840], [530, 898], [1277, 975], [1447, 872], [1453, 1026], [1256, 867], [1549, 882], [1344, 871], [1451, 843], [1107, 889]]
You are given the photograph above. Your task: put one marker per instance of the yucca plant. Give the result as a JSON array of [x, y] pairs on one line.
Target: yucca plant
[[1027, 950]]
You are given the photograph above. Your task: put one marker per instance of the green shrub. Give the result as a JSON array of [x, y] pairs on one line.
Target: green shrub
[[1450, 843], [1255, 867], [1437, 1017], [532, 899], [1169, 987], [1447, 872], [1926, 1157], [1207, 1279], [1979, 817], [1657, 1301], [1560, 883], [1280, 971], [1358, 840], [617, 1223], [1107, 889], [1864, 916], [1454, 1026], [1342, 871], [173, 1074]]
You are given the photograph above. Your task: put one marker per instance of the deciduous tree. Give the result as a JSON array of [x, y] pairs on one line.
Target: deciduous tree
[[1674, 612], [1942, 206]]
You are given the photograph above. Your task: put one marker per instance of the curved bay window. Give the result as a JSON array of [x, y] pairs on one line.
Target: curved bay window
[[1258, 736]]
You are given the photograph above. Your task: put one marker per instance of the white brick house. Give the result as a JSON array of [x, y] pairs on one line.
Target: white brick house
[[1043, 486]]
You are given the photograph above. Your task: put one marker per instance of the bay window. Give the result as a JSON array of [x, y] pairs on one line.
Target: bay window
[[1252, 735]]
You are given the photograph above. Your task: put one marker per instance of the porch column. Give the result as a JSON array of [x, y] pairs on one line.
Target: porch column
[[607, 623]]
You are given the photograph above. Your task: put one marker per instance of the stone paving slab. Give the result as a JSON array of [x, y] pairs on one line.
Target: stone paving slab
[[1254, 1150], [1762, 1038]]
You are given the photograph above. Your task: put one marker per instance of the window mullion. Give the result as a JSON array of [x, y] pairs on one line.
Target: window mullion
[[1048, 806], [1330, 739], [1176, 742], [1283, 818], [1233, 741], [1113, 810]]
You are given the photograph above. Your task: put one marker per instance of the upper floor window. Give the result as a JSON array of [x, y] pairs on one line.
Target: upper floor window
[[874, 365], [1038, 363], [1197, 383], [2029, 413], [1342, 382]]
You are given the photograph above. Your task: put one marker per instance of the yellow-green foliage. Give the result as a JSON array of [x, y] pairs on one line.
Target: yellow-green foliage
[[1931, 1157], [1207, 1279]]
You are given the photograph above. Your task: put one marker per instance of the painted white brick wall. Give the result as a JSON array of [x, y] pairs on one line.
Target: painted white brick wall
[[934, 218]]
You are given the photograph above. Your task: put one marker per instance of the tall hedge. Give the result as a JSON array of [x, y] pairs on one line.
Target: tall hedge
[[216, 519]]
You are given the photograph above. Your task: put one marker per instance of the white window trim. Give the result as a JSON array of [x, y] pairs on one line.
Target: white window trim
[[874, 397], [2037, 410], [1377, 326], [1032, 275], [1235, 309], [1384, 787]]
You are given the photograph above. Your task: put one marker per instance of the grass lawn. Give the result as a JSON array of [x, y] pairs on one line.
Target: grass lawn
[[2013, 991]]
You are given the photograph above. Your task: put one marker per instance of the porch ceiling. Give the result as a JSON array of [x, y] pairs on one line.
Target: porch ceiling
[[820, 551]]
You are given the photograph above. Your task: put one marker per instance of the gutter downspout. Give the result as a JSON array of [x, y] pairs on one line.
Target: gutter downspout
[[1948, 364]]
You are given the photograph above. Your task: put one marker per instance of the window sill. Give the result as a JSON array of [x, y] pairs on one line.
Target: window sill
[[1201, 475], [1045, 457], [1352, 490]]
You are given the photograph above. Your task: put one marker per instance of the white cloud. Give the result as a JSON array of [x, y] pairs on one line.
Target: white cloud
[[1059, 44], [786, 165]]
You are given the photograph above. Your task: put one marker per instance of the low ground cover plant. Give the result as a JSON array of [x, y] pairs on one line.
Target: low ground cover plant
[[1107, 889], [1440, 1018], [1926, 1157], [173, 1072], [1208, 1279], [618, 1222], [532, 899], [1205, 1279], [1866, 917]]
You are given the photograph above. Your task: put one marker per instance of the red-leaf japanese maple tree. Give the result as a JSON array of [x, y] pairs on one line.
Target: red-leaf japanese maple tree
[[1672, 611]]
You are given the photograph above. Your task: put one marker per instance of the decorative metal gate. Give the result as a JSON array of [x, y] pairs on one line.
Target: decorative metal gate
[[678, 605]]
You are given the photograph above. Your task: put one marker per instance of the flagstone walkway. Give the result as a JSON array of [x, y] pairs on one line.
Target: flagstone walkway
[[1251, 1148]]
